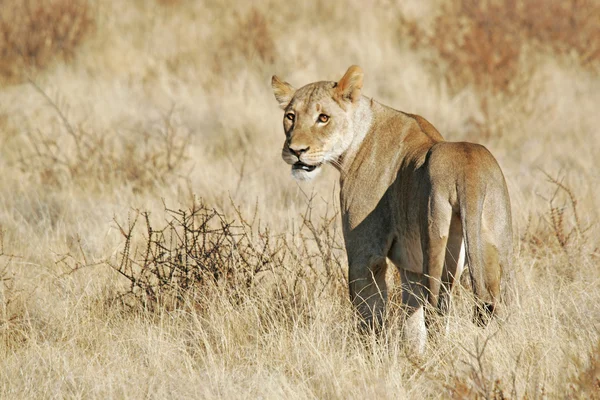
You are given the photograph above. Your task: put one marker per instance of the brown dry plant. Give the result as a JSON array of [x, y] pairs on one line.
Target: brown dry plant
[[34, 34]]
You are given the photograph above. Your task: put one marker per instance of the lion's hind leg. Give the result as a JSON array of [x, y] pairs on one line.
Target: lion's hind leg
[[434, 240], [441, 239], [453, 264]]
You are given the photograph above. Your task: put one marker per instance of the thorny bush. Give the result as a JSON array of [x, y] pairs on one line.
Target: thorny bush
[[199, 250]]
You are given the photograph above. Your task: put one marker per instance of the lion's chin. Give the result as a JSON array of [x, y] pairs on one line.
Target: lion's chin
[[304, 175]]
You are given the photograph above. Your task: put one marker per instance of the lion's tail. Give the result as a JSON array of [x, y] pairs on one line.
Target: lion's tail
[[486, 248]]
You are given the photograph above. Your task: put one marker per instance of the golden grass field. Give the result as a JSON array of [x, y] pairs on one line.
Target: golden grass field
[[112, 112]]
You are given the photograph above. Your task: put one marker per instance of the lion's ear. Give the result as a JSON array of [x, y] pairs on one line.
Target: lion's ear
[[283, 91], [348, 88]]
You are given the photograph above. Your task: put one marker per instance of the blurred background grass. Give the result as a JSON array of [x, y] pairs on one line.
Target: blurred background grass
[[111, 109]]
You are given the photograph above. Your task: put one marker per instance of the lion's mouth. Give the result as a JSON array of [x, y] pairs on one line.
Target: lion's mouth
[[304, 167]]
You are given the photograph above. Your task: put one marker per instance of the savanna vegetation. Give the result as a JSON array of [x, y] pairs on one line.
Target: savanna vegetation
[[154, 245]]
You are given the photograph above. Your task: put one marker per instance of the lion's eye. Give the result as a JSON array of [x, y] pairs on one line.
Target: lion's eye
[[323, 118], [290, 116]]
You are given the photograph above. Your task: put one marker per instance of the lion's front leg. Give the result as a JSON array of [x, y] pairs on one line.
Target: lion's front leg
[[368, 290], [414, 298]]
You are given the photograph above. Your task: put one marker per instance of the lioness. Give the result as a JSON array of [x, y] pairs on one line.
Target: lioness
[[405, 195]]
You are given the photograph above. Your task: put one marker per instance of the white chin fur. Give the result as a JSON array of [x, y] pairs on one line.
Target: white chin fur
[[302, 175]]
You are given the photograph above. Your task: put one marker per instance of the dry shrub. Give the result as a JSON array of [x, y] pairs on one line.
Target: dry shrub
[[73, 153], [564, 218], [197, 248], [566, 27], [250, 40], [481, 43], [35, 33], [12, 312], [199, 251], [473, 377], [6, 286], [478, 381], [560, 231]]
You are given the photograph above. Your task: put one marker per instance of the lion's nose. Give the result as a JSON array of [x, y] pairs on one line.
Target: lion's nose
[[298, 149]]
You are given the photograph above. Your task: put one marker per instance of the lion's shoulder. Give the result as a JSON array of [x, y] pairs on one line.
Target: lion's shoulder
[[426, 127]]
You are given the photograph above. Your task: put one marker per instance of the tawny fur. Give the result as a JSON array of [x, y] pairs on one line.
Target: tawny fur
[[406, 195]]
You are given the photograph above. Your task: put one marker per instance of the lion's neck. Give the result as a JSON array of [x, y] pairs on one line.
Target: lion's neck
[[361, 124]]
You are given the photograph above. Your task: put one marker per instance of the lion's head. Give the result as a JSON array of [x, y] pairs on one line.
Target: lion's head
[[317, 121]]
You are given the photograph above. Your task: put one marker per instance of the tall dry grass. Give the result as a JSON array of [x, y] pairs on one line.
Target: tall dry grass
[[154, 245]]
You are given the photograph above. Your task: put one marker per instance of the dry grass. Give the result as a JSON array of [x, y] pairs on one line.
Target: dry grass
[[69, 153], [116, 112]]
